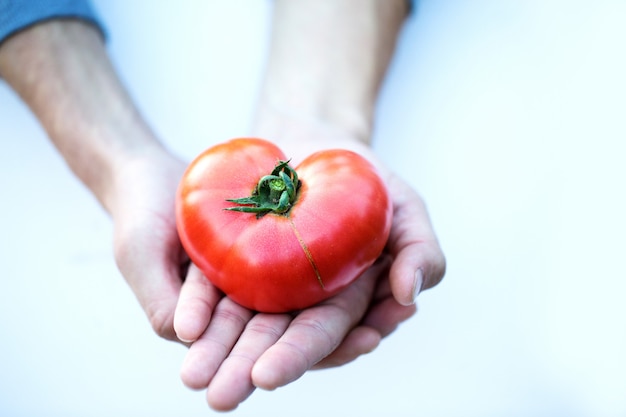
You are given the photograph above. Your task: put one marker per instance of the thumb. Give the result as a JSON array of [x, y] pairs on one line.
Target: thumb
[[416, 267], [418, 261]]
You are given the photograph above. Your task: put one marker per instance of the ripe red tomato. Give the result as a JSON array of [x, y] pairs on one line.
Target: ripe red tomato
[[276, 239]]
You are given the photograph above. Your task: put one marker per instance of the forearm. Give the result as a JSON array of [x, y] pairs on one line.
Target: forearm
[[327, 61], [61, 70]]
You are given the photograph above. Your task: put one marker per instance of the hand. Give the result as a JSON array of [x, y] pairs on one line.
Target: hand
[[147, 249], [234, 350]]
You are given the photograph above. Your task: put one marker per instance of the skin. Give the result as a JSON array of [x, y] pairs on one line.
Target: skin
[[60, 68]]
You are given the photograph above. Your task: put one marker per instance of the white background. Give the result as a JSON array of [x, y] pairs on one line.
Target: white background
[[508, 116]]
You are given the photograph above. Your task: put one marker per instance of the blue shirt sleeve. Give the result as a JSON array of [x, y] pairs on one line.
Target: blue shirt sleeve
[[16, 15], [410, 3]]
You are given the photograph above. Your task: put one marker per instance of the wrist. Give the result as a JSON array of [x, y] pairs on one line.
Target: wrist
[[284, 124], [300, 134], [326, 63], [101, 162], [61, 70]]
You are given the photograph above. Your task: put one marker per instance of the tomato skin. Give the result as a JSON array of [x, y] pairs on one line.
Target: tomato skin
[[342, 216]]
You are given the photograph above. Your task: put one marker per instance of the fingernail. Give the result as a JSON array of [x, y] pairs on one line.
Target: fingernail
[[185, 340], [417, 283]]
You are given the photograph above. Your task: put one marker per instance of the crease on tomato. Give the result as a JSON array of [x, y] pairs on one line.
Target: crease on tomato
[[307, 252]]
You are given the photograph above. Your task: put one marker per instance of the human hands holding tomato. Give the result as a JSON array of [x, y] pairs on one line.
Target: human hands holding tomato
[[100, 133], [235, 350]]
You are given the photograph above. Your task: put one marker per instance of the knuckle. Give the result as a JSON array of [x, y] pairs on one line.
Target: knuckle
[[161, 322], [234, 317], [320, 331], [265, 329]]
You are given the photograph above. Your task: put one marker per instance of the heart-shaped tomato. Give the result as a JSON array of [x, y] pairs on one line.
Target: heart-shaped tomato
[[274, 238]]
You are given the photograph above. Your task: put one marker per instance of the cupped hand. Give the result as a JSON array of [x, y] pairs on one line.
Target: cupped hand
[[146, 245]]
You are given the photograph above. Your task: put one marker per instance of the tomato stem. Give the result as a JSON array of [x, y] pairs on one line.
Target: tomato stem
[[275, 193]]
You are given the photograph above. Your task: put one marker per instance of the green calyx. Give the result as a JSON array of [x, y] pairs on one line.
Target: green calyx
[[275, 193]]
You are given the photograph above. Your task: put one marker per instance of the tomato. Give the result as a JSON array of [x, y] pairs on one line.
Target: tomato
[[275, 239]]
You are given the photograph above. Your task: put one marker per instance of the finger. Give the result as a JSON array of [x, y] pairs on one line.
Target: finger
[[208, 352], [382, 318], [233, 383], [196, 302], [359, 341], [387, 315], [383, 289], [315, 333], [419, 262], [417, 267]]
